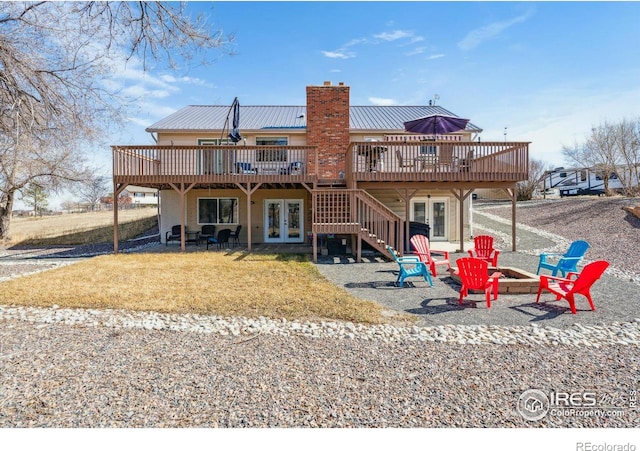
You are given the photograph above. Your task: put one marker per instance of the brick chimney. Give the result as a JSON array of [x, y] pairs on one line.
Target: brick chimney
[[328, 127]]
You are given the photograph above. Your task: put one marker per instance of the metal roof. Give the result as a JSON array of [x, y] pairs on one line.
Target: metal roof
[[365, 118]]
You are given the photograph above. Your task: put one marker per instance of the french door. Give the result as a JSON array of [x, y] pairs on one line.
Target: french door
[[283, 221], [432, 211]]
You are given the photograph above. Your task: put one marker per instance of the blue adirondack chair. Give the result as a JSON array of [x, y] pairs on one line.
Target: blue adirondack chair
[[566, 262], [410, 267]]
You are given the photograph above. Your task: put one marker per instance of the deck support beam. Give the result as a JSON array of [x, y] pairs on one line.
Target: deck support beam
[[513, 194], [248, 191], [117, 189], [182, 190], [461, 196]]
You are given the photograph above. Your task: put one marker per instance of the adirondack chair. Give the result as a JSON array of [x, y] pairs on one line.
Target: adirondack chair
[[567, 262], [484, 250], [425, 254], [474, 275], [410, 267], [567, 288]]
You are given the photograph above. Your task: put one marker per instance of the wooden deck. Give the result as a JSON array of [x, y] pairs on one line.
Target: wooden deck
[[366, 162]]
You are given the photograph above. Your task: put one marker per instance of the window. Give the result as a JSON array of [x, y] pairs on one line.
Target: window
[[269, 155], [217, 210], [214, 142]]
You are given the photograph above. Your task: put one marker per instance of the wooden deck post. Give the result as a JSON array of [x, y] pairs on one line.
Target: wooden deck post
[[183, 193], [513, 193], [117, 189]]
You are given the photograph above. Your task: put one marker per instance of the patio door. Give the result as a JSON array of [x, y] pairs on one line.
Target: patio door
[[432, 211], [283, 221]]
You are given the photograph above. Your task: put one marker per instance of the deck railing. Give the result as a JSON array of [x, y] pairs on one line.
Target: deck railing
[[438, 161], [212, 163], [354, 211], [365, 161]]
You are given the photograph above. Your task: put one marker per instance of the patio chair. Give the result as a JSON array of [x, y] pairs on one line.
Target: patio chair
[[294, 168], [401, 161], [410, 267], [567, 288], [567, 262], [175, 234], [221, 239], [474, 275], [484, 250], [425, 254], [207, 231], [245, 168], [235, 236]]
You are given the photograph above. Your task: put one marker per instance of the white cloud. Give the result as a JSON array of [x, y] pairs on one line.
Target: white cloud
[[343, 51], [478, 36], [394, 35], [436, 56], [382, 101], [338, 54]]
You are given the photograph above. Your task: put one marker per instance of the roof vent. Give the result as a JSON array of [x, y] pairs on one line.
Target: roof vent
[[327, 83]]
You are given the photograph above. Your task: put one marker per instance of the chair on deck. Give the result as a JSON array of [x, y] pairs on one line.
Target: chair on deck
[[410, 267], [294, 168], [567, 262], [221, 239], [245, 168], [484, 250], [235, 236], [446, 160], [174, 235], [401, 162], [474, 275], [567, 288], [207, 231], [425, 254]]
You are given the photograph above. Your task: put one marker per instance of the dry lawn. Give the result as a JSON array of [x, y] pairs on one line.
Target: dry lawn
[[76, 228], [274, 286]]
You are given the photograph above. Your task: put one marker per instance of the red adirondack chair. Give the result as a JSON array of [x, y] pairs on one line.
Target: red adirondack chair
[[567, 288], [425, 254], [484, 250], [474, 275]]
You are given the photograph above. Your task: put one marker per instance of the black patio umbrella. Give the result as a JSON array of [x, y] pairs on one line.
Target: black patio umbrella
[[235, 135], [436, 124]]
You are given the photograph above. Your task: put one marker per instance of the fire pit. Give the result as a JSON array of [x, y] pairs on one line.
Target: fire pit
[[513, 281]]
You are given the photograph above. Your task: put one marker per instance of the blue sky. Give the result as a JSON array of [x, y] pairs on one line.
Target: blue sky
[[547, 71]]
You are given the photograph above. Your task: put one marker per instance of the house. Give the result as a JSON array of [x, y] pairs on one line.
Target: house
[[319, 172], [141, 195]]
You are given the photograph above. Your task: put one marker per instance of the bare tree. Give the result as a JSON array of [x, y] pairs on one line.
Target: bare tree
[[597, 152], [611, 149], [54, 58], [90, 191], [526, 188], [627, 135]]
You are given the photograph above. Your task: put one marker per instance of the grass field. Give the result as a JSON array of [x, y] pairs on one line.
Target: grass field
[[76, 228]]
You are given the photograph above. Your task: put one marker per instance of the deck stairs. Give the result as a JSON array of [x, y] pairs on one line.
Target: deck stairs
[[356, 212]]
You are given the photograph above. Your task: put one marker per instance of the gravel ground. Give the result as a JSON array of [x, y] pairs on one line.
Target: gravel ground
[[614, 235], [57, 372], [61, 376]]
